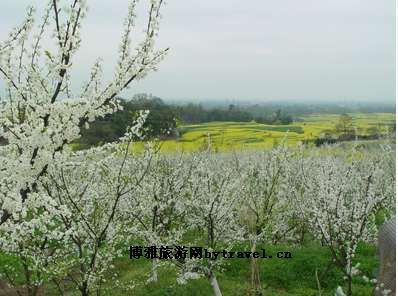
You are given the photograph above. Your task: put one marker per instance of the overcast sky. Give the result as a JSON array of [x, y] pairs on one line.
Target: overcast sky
[[252, 50]]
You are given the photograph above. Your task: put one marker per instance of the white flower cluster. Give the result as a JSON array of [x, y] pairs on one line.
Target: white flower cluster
[[340, 198]]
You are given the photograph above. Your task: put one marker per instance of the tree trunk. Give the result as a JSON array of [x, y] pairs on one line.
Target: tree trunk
[[32, 290], [84, 289], [154, 271], [214, 284], [302, 233], [255, 272], [349, 288]]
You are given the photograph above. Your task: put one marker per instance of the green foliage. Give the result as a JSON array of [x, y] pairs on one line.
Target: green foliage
[[278, 117], [161, 121], [192, 113]]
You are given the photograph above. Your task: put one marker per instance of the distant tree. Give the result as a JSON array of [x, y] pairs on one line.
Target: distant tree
[[277, 115], [192, 113], [345, 125], [147, 100]]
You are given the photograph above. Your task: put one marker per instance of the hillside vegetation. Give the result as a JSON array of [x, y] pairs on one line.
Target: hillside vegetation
[[225, 136]]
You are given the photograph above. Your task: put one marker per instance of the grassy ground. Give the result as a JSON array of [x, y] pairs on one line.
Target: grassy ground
[[294, 276], [226, 136]]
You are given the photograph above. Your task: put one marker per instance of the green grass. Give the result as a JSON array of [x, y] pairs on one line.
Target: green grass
[[227, 136], [294, 276]]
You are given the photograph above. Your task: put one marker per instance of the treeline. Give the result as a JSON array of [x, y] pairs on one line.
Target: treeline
[[303, 108], [164, 118], [196, 113]]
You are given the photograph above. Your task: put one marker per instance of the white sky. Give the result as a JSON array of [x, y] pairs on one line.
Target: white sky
[[252, 50]]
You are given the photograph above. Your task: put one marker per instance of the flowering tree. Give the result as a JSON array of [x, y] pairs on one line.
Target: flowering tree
[[158, 209], [340, 199], [35, 249], [386, 161], [264, 202], [40, 116], [94, 186], [213, 212]]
